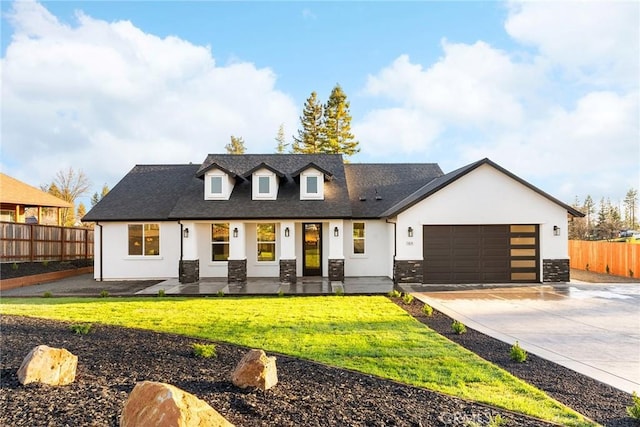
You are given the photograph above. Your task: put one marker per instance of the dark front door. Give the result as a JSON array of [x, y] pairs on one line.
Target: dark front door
[[312, 249]]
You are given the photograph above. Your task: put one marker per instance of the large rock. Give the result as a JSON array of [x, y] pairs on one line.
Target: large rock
[[48, 365], [255, 370], [163, 405]]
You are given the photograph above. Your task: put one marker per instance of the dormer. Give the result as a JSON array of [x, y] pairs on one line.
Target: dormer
[[312, 178], [265, 181], [218, 182]]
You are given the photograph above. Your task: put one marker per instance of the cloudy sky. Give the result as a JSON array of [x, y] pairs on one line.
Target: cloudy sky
[[548, 90]]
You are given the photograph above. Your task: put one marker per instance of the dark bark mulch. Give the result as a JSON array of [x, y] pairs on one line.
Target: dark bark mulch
[[10, 270], [597, 401], [111, 360]]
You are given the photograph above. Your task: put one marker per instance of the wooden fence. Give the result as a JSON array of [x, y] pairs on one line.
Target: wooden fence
[[35, 242], [620, 258]]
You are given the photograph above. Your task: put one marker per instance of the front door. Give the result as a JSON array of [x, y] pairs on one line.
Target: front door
[[312, 249]]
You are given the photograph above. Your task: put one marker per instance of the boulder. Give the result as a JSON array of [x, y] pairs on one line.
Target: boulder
[[255, 370], [163, 405], [48, 365]]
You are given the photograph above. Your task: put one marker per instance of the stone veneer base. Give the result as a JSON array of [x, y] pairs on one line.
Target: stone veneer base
[[556, 270], [408, 271], [237, 271], [288, 271], [189, 271], [336, 270]]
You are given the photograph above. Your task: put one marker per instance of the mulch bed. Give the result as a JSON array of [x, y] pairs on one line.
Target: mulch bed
[[113, 359], [597, 401], [20, 269]]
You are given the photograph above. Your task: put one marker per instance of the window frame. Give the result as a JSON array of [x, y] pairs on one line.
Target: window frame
[[145, 239], [355, 238], [219, 242], [273, 242], [304, 187], [224, 185]]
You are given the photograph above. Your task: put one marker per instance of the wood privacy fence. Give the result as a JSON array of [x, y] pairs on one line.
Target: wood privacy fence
[[622, 259], [35, 242]]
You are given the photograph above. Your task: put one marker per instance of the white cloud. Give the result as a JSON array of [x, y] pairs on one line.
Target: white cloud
[[102, 97], [597, 41]]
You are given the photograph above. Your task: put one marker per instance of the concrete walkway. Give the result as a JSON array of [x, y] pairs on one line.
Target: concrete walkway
[[591, 328]]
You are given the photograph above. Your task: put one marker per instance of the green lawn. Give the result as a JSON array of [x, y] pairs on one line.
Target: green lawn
[[368, 334]]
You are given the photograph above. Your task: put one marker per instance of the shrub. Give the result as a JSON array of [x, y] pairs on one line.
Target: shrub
[[81, 328], [497, 421], [634, 410], [458, 327], [407, 298], [45, 263], [517, 353], [220, 293], [161, 293], [204, 350], [280, 293], [427, 310], [104, 293], [587, 267], [15, 266], [607, 268], [339, 292], [394, 294], [630, 273], [47, 294]]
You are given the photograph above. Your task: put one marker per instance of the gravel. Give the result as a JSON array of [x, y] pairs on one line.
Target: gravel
[[113, 359]]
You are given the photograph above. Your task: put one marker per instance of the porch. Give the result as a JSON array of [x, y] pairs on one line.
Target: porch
[[212, 286]]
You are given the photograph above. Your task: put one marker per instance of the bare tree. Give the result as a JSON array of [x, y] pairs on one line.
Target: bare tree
[[68, 185]]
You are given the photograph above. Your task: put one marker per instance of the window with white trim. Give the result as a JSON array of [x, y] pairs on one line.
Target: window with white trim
[[264, 185], [266, 240], [358, 238], [311, 185], [220, 242], [216, 185], [144, 239]]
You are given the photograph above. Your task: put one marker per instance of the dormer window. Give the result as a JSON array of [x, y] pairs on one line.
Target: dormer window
[[218, 185], [311, 185], [264, 185]]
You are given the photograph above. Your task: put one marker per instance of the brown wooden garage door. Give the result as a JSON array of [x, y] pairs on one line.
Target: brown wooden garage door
[[481, 253], [466, 254]]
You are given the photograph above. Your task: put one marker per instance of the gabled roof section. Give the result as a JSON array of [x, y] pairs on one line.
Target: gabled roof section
[[374, 188], [146, 193], [263, 165], [444, 180], [214, 165], [17, 192], [327, 175]]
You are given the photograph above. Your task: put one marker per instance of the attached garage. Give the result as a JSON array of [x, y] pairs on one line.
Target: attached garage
[[480, 253]]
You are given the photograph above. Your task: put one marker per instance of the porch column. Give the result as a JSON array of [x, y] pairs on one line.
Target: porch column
[[336, 250], [189, 267], [237, 263], [287, 252]]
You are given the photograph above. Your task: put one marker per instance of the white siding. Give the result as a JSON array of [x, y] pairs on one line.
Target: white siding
[[118, 265], [484, 196], [378, 257]]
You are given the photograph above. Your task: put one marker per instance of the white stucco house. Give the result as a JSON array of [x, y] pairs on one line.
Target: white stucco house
[[285, 216]]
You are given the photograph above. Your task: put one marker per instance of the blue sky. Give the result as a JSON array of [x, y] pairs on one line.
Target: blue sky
[[547, 90]]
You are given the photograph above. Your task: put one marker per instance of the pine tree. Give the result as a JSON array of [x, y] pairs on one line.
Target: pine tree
[[589, 208], [337, 125], [97, 197], [310, 137], [280, 138], [236, 146], [630, 202]]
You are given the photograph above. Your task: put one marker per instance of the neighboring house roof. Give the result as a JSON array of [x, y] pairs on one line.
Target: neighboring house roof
[[444, 180], [13, 191], [374, 188], [170, 192]]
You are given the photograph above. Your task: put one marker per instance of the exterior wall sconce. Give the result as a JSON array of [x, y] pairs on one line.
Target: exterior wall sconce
[[235, 232], [410, 232], [336, 231], [185, 233], [286, 232], [556, 230]]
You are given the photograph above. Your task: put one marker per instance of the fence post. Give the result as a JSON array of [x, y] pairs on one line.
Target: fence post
[[32, 243]]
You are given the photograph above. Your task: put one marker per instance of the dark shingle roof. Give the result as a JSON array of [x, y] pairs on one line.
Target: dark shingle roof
[[383, 185], [444, 180]]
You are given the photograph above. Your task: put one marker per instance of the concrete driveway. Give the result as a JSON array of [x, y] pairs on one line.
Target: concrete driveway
[[591, 328]]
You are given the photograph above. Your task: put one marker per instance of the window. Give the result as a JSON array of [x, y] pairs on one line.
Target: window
[[358, 237], [144, 239], [266, 242], [263, 185], [8, 215], [216, 185], [219, 242], [312, 184]]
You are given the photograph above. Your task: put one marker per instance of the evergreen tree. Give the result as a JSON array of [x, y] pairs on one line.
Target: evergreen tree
[[236, 146], [311, 135], [97, 197], [577, 226], [589, 208], [280, 138], [338, 138], [81, 211], [630, 202]]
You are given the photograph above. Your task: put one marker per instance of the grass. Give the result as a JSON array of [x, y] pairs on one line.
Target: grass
[[367, 334]]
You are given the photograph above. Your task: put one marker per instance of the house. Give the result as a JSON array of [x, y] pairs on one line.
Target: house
[[20, 202], [285, 216]]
